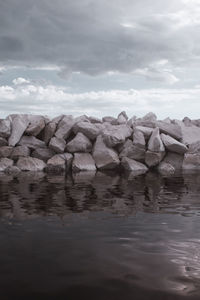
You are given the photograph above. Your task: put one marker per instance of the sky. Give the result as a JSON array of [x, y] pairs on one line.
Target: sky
[[99, 57]]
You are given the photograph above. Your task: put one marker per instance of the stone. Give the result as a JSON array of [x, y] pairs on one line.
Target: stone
[[105, 158], [122, 118], [149, 120], [30, 164], [5, 151], [134, 166], [95, 120], [59, 163], [173, 145], [5, 128], [194, 147], [43, 153], [31, 142], [108, 119], [5, 163], [57, 144], [138, 139], [131, 122], [116, 135], [19, 125], [190, 134], [88, 129], [79, 144], [82, 118], [3, 142], [191, 162], [132, 151], [36, 126], [20, 151], [174, 159], [174, 130], [187, 122], [65, 128], [83, 162], [167, 120], [155, 143], [49, 131], [166, 168], [152, 159], [12, 170], [147, 131]]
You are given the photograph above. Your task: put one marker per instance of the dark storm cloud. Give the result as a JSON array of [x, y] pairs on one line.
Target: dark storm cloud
[[96, 36]]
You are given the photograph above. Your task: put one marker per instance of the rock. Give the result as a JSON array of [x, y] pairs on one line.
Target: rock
[[30, 164], [88, 129], [194, 147], [122, 118], [3, 142], [19, 125], [167, 120], [5, 163], [65, 128], [49, 131], [31, 142], [131, 122], [187, 122], [173, 145], [133, 151], [94, 120], [59, 163], [191, 162], [155, 143], [173, 130], [108, 119], [20, 151], [152, 159], [116, 135], [83, 162], [5, 151], [149, 120], [57, 119], [134, 166], [105, 158], [147, 131], [57, 144], [174, 159], [138, 139], [79, 144], [5, 128], [82, 118], [190, 135], [36, 126], [12, 170], [43, 153], [166, 168]]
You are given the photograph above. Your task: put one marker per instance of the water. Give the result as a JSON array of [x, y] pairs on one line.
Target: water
[[100, 236]]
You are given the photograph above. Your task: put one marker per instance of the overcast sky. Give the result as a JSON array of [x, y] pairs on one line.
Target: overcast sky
[[99, 57]]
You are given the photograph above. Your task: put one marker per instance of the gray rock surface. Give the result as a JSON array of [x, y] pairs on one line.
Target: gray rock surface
[[83, 162], [105, 157], [5, 151], [174, 159], [19, 125], [152, 159], [173, 145], [43, 153], [64, 128], [5, 128], [147, 131], [31, 142], [5, 163], [30, 164], [191, 162], [57, 144], [166, 168], [155, 143], [88, 129], [20, 151], [79, 144], [49, 131], [36, 126], [3, 142], [134, 166], [174, 130], [115, 135], [12, 170]]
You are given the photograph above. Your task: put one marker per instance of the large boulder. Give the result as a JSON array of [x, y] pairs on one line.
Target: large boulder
[[95, 120], [105, 158], [64, 128], [191, 162], [20, 151], [108, 119], [83, 162], [43, 153], [88, 129], [5, 151], [59, 163], [30, 164], [57, 144], [3, 142], [152, 159], [173, 145], [19, 125], [149, 120], [134, 166], [147, 131], [116, 135], [173, 130], [122, 118], [5, 128], [49, 131], [174, 159], [79, 144], [132, 151], [5, 163], [166, 168], [36, 125], [190, 134], [31, 142], [155, 143]]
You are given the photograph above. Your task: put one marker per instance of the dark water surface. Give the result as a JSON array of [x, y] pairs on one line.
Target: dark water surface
[[99, 237]]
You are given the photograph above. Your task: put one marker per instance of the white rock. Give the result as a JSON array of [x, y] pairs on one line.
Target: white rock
[[105, 158], [79, 144], [173, 145], [31, 142], [83, 162], [30, 164], [57, 144], [19, 125], [134, 166], [115, 135], [5, 128], [88, 129], [155, 143], [5, 163]]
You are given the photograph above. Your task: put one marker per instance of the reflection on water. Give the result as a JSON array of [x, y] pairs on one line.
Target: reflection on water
[[99, 236]]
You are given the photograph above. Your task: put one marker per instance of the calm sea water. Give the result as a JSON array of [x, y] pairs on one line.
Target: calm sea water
[[99, 236]]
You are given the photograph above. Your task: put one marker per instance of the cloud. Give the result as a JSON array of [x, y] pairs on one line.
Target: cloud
[[20, 80], [97, 36], [54, 100]]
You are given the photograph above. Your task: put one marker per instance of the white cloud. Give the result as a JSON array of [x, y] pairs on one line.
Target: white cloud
[[54, 100], [20, 80]]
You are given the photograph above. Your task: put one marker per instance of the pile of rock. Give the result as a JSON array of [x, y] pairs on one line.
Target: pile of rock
[[36, 143]]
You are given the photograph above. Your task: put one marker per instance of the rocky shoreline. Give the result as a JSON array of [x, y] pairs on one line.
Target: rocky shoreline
[[64, 144]]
